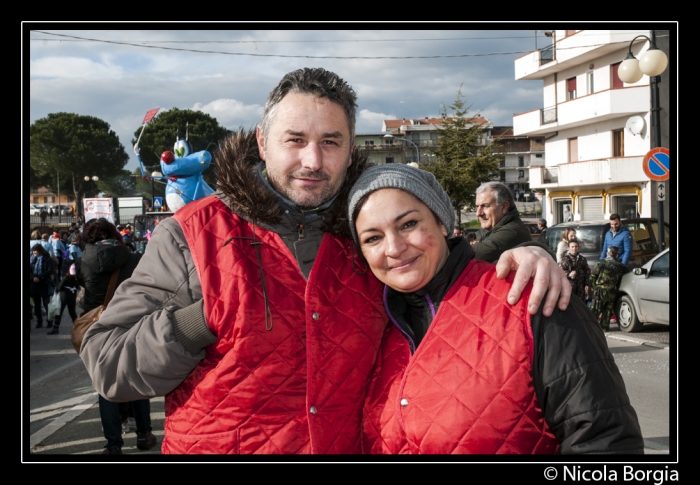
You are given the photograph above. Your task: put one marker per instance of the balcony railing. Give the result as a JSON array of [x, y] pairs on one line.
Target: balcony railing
[[548, 115], [547, 55], [383, 146]]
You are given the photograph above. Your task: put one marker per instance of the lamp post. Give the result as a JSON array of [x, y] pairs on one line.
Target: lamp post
[[94, 179], [652, 63], [391, 137]]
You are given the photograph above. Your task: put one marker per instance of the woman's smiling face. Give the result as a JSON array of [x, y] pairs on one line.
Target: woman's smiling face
[[401, 239]]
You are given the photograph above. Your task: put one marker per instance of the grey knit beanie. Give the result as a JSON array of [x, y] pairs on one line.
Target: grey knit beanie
[[415, 181]]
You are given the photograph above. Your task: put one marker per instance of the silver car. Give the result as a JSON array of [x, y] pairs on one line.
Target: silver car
[[644, 294]]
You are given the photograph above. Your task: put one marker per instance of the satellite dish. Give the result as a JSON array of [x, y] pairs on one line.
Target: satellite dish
[[635, 125]]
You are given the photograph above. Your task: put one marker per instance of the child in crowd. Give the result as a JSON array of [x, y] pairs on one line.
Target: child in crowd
[[68, 289], [577, 271]]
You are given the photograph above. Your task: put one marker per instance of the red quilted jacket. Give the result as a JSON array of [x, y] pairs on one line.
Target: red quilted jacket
[[468, 388], [297, 388]]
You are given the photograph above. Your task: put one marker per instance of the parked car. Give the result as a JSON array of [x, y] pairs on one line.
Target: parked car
[[591, 236], [35, 209], [534, 230], [65, 210], [644, 295]]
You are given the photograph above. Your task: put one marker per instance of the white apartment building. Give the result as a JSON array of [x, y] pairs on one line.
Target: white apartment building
[[593, 152], [420, 136], [520, 153]]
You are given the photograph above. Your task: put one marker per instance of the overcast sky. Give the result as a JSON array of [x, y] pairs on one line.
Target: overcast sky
[[118, 75]]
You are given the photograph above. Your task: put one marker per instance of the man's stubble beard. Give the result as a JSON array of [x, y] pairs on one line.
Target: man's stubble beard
[[307, 199]]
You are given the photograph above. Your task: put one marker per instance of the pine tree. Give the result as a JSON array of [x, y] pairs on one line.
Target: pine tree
[[462, 163]]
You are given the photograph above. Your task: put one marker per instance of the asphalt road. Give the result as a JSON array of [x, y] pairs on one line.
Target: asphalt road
[[62, 417]]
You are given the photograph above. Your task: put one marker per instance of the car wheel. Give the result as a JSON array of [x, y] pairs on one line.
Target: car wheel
[[627, 315]]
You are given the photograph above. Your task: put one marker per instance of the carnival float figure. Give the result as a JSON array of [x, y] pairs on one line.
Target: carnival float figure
[[181, 169]]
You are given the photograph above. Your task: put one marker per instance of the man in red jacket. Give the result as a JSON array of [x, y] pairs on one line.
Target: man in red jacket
[[251, 309]]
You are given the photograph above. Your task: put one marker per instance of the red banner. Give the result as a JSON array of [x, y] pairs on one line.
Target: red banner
[[150, 115]]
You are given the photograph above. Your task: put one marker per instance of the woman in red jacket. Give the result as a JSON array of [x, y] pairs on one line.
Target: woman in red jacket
[[460, 370]]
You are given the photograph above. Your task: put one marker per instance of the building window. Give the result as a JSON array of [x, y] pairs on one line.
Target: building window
[[573, 149], [521, 174], [369, 142], [389, 159], [521, 161], [571, 88], [538, 155], [615, 80], [627, 206], [590, 89], [618, 143]]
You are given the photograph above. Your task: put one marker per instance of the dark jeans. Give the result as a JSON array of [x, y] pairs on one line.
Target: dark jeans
[[37, 307], [112, 421]]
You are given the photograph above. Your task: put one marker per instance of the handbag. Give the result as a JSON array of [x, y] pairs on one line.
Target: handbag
[[54, 306], [86, 319]]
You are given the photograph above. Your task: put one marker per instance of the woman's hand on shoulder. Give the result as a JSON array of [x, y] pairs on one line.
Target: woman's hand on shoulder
[[548, 278]]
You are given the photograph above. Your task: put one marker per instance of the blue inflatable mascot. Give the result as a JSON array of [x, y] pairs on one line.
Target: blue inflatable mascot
[[181, 170]]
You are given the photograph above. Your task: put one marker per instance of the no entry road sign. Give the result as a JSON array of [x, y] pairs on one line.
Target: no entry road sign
[[657, 163]]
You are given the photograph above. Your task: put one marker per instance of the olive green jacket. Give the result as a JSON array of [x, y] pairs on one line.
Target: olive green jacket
[[508, 233]]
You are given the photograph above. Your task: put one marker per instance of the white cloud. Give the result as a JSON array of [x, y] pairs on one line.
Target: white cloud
[[232, 113], [368, 121], [73, 68]]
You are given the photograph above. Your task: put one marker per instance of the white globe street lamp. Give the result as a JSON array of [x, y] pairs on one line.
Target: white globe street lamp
[[94, 179], [652, 63]]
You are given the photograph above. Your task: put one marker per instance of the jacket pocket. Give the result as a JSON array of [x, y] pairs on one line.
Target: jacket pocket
[[225, 443]]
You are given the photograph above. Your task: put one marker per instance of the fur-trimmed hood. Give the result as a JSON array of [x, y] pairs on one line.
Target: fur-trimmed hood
[[238, 184]]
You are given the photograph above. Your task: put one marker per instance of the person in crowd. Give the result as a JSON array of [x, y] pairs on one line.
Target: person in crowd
[[103, 255], [542, 226], [501, 226], [35, 238], [68, 289], [250, 310], [577, 270], [605, 280], [471, 238], [458, 232], [58, 248], [43, 214], [50, 212], [459, 370], [619, 236], [41, 270], [74, 248], [46, 243], [569, 234]]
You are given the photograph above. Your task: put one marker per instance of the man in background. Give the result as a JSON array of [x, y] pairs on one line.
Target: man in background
[[501, 226], [619, 236]]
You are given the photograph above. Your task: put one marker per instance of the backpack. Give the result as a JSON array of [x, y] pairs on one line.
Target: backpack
[[67, 261]]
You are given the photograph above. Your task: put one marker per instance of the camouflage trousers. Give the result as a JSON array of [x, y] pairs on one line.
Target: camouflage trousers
[[602, 306]]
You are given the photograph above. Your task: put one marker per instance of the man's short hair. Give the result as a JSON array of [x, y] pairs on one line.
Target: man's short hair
[[503, 193], [614, 251], [615, 217], [542, 222], [316, 82], [573, 241]]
